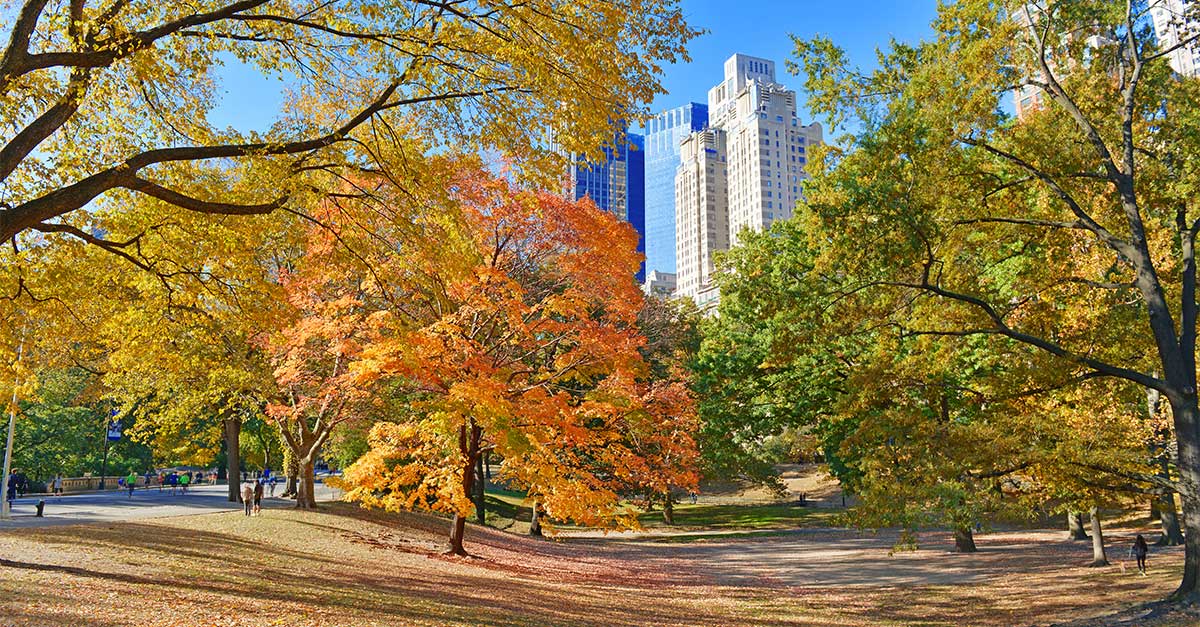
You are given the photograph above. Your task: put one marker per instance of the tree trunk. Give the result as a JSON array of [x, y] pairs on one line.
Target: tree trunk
[[306, 497], [1155, 514], [964, 540], [1186, 417], [480, 494], [1098, 556], [468, 446], [1075, 526], [1172, 535], [233, 461], [266, 447], [458, 530], [535, 520], [291, 469], [668, 508]]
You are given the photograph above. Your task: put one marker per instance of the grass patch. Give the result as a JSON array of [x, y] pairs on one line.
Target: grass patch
[[507, 506], [739, 516]]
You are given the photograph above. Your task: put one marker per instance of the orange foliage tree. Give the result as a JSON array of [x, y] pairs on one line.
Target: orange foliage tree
[[312, 351], [519, 335]]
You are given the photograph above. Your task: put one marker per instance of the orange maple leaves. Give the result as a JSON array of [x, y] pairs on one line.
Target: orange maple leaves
[[518, 335]]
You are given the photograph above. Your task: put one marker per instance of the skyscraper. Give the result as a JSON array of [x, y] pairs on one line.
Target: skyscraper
[[1027, 97], [744, 172], [618, 184], [1176, 21], [766, 144], [664, 132], [701, 213]]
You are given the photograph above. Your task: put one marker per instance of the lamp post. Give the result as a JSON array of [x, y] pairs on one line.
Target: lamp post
[[5, 505], [112, 433]]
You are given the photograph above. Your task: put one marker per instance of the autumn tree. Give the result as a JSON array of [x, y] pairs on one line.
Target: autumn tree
[[672, 331], [166, 335], [313, 347], [916, 428], [1066, 235], [109, 99], [519, 336]]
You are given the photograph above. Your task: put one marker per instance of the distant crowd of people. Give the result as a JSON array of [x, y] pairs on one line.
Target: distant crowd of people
[[177, 482]]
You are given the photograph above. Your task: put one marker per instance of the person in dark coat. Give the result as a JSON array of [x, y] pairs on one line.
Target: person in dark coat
[[258, 494], [1140, 550]]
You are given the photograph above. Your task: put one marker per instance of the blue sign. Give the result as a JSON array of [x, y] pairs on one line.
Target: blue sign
[[114, 430]]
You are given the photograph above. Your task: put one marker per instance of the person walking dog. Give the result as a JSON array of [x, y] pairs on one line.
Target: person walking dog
[[1140, 550]]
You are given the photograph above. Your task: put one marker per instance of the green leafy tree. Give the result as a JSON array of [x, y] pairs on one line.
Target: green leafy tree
[[1065, 239]]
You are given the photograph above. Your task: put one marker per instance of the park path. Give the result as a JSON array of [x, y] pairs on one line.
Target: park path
[[846, 558], [91, 507]]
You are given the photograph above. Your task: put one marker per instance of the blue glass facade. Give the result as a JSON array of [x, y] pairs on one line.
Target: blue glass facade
[[619, 185], [663, 134]]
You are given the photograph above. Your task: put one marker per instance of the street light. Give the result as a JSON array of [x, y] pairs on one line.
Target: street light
[[5, 505], [112, 433]]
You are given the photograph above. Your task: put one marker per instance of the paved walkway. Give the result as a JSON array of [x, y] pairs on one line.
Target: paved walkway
[[845, 558], [91, 507]]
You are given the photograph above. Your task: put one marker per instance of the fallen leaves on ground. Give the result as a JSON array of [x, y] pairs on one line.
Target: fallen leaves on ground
[[344, 567]]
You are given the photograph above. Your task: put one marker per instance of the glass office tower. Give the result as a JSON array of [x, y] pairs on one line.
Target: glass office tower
[[664, 132], [618, 185]]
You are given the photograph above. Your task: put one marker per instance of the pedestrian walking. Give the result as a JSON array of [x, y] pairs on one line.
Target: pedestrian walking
[[131, 482], [1140, 550], [57, 485], [258, 494], [173, 480], [247, 497], [273, 487], [184, 480]]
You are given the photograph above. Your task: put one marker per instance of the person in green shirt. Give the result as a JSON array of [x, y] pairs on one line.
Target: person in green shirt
[[130, 482], [184, 480]]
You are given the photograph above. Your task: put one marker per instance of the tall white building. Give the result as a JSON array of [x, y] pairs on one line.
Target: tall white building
[[1176, 21], [1173, 20], [759, 147], [701, 213], [660, 284]]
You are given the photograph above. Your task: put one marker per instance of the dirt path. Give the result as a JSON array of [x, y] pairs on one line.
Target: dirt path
[[841, 558]]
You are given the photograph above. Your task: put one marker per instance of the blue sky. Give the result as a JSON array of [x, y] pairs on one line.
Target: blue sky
[[761, 28], [755, 27]]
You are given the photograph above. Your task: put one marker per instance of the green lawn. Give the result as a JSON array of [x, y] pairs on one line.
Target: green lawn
[[507, 506], [761, 516]]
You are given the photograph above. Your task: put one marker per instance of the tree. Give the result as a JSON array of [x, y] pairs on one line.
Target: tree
[[313, 350], [191, 380], [1055, 234], [672, 332], [61, 428], [775, 357], [105, 100], [518, 336]]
